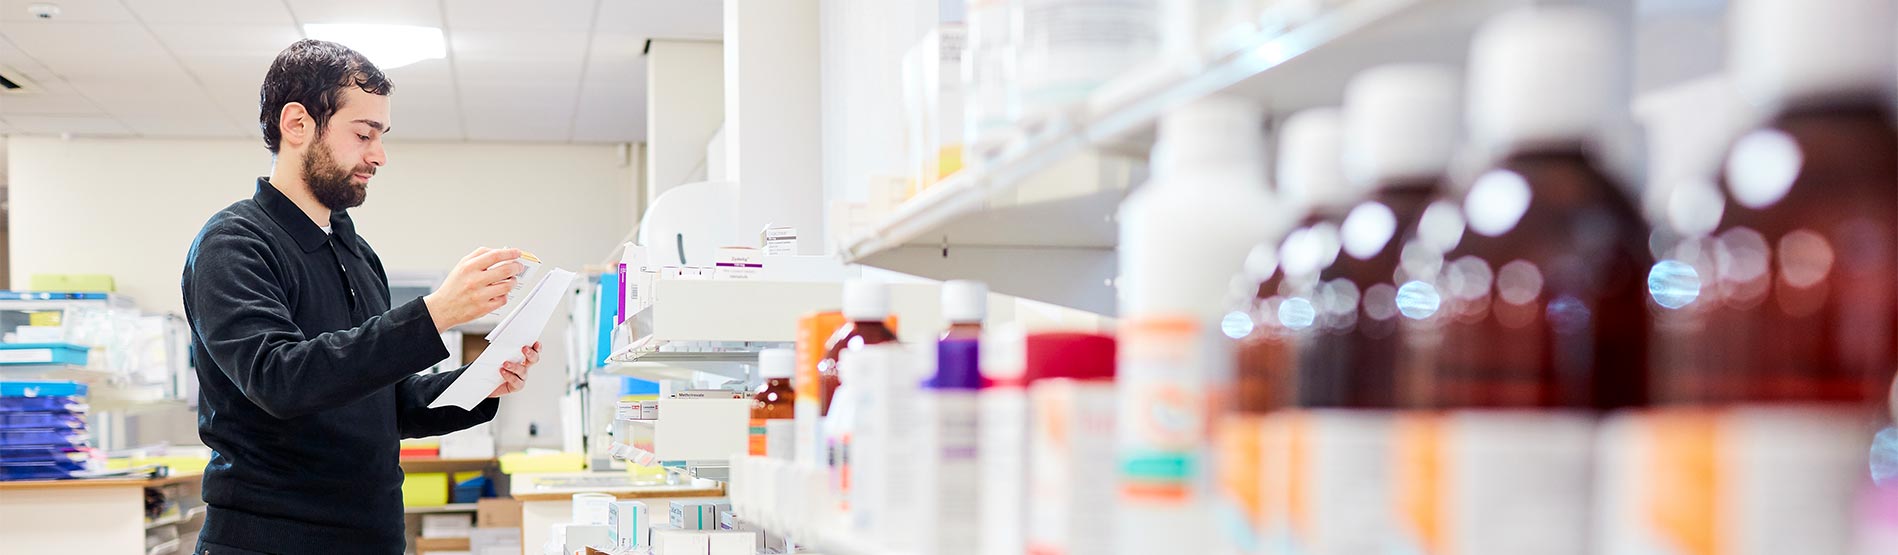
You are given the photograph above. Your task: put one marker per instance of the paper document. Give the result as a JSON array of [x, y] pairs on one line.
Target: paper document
[[521, 327]]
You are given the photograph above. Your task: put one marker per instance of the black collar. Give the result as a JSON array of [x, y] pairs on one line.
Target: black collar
[[292, 220]]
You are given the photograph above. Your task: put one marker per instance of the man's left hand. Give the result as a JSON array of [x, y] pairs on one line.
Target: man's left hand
[[514, 374]]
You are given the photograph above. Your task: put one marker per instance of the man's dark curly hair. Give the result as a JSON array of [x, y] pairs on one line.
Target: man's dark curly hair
[[313, 73]]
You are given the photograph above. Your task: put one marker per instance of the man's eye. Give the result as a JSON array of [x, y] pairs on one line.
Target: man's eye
[[364, 137]]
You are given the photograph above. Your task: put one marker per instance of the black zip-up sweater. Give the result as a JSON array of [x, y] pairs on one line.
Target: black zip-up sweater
[[307, 382]]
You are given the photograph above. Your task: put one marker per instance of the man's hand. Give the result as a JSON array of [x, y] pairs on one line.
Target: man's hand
[[514, 374], [475, 287]]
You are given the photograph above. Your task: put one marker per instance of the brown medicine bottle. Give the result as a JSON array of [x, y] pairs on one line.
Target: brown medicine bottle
[[866, 308]]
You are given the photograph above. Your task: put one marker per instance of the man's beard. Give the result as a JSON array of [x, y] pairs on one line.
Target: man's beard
[[331, 184]]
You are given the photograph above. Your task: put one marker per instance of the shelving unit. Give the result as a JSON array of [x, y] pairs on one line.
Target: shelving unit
[[63, 372], [1047, 240], [449, 508]]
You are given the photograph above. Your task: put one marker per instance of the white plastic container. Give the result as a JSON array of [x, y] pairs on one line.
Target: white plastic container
[[1182, 238], [949, 468], [988, 77], [1003, 451], [1070, 47]]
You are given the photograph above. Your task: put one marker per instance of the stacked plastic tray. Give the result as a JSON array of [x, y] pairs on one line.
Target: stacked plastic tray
[[43, 430]]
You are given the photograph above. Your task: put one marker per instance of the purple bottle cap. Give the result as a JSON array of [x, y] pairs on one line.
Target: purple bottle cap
[[957, 365]]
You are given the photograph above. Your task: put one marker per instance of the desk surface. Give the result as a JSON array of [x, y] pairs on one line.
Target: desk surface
[[101, 482]]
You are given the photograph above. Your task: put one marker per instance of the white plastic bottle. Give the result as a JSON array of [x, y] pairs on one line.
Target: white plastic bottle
[[1003, 449], [1067, 48], [1183, 237], [950, 464]]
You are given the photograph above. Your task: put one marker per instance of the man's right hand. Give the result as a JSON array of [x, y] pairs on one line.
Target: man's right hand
[[474, 288]]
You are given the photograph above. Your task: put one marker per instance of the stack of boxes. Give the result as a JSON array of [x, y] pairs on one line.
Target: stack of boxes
[[43, 430]]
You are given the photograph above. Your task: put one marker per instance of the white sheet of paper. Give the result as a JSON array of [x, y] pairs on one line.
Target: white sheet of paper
[[520, 328]]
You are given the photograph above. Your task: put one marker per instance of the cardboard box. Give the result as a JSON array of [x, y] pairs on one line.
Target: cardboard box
[[731, 543], [693, 515], [447, 526], [671, 540], [580, 536], [435, 546], [498, 512], [628, 522]]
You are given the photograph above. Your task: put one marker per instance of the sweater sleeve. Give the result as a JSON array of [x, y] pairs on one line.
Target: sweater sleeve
[[415, 419], [246, 326]]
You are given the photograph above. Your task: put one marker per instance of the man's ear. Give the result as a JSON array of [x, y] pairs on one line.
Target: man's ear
[[295, 125]]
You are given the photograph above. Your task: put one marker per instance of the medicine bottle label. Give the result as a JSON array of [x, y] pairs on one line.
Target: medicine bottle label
[[1732, 481], [1495, 482]]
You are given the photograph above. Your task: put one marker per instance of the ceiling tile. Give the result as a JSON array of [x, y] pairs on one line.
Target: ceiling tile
[[517, 110], [611, 113], [70, 11], [214, 12], [86, 49], [47, 103], [401, 12], [242, 69], [515, 55], [516, 45], [226, 40], [617, 58], [663, 18], [53, 125], [425, 70], [540, 15]]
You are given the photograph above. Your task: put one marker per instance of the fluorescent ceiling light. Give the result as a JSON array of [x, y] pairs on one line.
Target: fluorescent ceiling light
[[388, 46]]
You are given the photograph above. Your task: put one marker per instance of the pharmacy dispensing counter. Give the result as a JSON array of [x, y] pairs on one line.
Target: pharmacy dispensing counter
[[547, 498], [78, 516]]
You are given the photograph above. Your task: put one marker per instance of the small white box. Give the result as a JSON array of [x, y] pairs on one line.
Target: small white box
[[731, 542], [447, 526], [668, 540], [738, 263], [628, 522], [780, 240], [694, 515], [581, 536]]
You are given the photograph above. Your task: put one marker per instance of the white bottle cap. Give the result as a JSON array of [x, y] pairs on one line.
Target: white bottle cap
[[1311, 169], [1216, 132], [1400, 123], [777, 363], [866, 300], [1541, 76], [1005, 353], [1783, 51], [965, 301]]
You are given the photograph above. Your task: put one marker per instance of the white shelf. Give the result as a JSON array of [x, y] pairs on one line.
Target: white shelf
[[758, 314], [168, 547], [61, 372], [1045, 240], [449, 508]]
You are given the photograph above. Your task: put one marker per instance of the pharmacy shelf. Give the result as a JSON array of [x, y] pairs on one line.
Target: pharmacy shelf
[[1048, 240], [167, 548], [186, 516], [440, 509], [718, 326], [60, 372], [421, 464]]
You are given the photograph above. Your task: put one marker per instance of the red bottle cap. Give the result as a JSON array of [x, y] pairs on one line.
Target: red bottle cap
[[1080, 356]]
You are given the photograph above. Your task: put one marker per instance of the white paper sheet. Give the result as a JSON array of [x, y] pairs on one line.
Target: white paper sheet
[[520, 328]]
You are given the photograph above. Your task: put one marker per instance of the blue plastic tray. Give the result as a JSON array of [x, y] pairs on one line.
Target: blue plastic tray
[[41, 404], [49, 419], [18, 354], [46, 437], [41, 454], [41, 389], [39, 471]]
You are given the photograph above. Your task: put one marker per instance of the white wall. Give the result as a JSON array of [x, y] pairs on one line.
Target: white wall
[[130, 208]]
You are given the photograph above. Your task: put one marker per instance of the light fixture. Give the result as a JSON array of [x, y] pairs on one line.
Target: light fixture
[[388, 46]]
